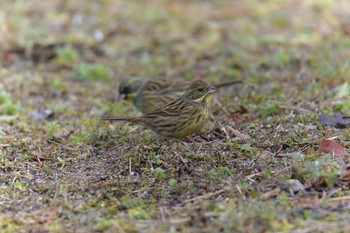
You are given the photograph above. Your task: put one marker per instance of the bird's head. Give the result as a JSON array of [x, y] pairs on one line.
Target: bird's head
[[128, 87], [200, 91]]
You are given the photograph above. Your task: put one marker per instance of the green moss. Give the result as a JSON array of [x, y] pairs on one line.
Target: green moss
[[269, 109], [52, 126], [139, 213], [172, 182], [160, 172], [9, 108], [130, 202], [7, 105], [343, 106], [18, 185], [59, 84], [324, 168], [92, 72], [66, 56]]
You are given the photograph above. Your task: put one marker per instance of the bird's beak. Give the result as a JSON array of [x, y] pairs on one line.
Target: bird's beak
[[121, 97], [213, 90]]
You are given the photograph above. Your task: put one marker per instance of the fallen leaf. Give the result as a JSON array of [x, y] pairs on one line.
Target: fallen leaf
[[241, 136], [338, 120], [292, 186], [62, 134], [330, 146], [37, 164], [38, 155], [298, 202]]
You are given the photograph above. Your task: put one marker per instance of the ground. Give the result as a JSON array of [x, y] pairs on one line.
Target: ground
[[263, 164]]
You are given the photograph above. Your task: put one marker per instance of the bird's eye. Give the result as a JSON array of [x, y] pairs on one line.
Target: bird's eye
[[126, 90], [200, 89]]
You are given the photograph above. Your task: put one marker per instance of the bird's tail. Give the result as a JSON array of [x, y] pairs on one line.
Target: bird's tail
[[132, 120], [113, 119], [228, 83]]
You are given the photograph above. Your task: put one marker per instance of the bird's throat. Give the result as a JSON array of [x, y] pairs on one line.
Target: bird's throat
[[205, 99]]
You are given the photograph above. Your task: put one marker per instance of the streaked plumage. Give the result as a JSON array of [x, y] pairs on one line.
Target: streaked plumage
[[182, 117], [148, 94]]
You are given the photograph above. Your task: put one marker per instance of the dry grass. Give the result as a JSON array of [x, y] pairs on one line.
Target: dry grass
[[61, 170]]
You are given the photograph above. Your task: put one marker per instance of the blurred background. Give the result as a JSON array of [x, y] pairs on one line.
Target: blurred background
[[267, 42]]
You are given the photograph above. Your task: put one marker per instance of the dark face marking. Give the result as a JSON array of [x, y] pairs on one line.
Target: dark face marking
[[125, 91], [130, 86]]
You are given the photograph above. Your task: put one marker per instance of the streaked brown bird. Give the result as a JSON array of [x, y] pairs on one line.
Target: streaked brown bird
[[148, 94], [182, 117]]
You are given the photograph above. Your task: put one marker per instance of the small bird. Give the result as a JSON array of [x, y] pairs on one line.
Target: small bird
[[182, 117], [148, 94]]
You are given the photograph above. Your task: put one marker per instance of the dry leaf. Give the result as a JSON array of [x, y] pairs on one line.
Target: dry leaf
[[298, 202], [62, 134], [292, 186], [330, 146], [241, 136]]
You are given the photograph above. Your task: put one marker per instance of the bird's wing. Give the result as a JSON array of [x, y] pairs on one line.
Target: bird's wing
[[174, 108], [178, 85], [164, 86]]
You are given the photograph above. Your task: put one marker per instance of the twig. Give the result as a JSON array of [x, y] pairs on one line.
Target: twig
[[255, 174], [241, 136], [324, 196], [60, 144], [206, 196], [223, 128], [179, 220], [162, 213], [345, 198], [240, 191], [272, 193], [331, 193]]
